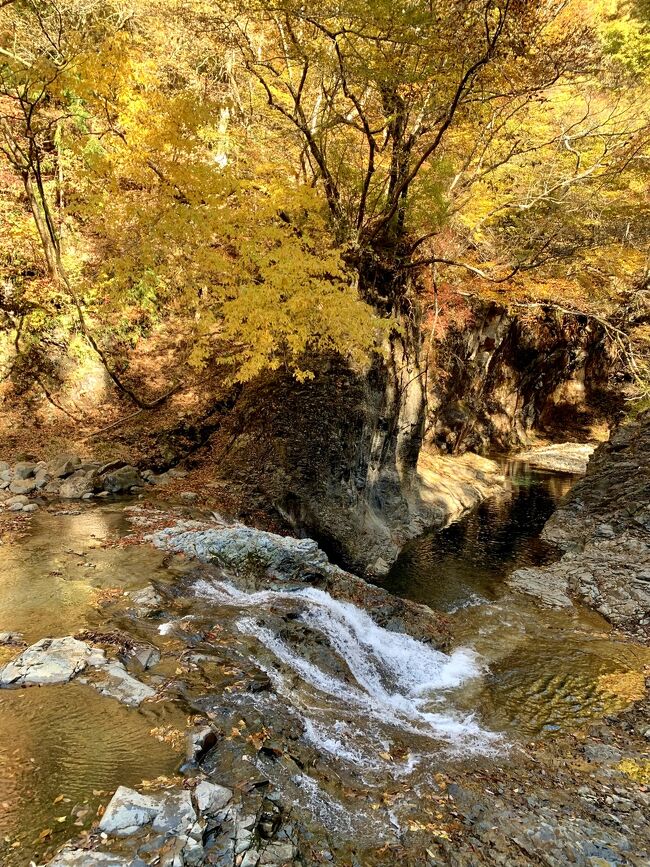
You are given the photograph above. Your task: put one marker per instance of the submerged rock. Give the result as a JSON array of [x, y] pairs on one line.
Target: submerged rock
[[113, 679]]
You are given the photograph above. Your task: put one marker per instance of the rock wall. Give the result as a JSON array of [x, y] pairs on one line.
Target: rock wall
[[498, 378], [604, 531], [307, 450]]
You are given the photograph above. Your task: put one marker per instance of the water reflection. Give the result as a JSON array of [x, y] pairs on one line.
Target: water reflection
[[468, 560], [548, 670]]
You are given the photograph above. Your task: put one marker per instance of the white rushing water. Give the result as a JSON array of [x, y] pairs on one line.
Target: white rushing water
[[384, 683]]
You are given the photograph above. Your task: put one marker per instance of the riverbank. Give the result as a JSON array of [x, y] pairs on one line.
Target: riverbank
[[603, 532]]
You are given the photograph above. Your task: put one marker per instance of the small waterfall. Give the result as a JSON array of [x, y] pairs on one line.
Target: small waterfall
[[385, 684]]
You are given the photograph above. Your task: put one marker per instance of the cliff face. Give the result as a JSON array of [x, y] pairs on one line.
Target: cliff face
[[604, 531], [499, 378], [315, 452]]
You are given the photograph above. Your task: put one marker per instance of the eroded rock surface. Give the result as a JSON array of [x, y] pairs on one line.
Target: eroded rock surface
[[604, 531]]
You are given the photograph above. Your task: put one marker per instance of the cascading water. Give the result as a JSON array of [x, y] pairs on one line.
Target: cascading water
[[372, 685]]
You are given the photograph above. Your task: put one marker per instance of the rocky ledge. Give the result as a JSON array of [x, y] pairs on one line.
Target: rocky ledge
[[255, 560], [559, 457], [604, 531]]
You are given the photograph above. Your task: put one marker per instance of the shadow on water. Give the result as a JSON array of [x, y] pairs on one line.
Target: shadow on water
[[468, 561]]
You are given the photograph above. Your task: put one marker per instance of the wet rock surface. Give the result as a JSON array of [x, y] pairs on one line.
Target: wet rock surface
[[603, 529], [59, 660]]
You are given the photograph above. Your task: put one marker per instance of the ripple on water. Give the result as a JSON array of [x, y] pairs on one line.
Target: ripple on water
[[69, 740]]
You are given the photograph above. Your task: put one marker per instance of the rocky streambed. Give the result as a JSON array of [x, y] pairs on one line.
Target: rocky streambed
[[222, 695]]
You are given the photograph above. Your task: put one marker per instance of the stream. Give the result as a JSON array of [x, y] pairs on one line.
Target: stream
[[352, 708]]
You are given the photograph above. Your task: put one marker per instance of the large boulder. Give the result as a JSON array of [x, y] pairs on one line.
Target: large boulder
[[210, 798], [128, 812], [64, 465], [121, 480], [24, 470], [22, 486], [170, 813], [78, 484]]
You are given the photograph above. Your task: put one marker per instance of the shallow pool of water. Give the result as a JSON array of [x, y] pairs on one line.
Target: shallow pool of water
[[546, 670], [64, 749]]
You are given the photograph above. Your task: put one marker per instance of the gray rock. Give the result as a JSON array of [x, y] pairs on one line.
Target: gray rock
[[19, 500], [30, 507], [112, 679], [210, 798], [144, 656], [51, 660], [24, 470], [128, 811], [86, 858], [4, 466], [110, 466], [121, 480], [41, 478], [161, 480], [64, 465], [22, 486], [78, 484], [277, 852], [146, 599], [199, 741], [176, 815], [189, 496], [11, 638], [560, 457], [549, 589], [237, 546]]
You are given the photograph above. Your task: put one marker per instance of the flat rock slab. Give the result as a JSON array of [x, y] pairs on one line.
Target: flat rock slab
[[58, 660], [112, 679], [560, 457], [550, 590], [51, 660], [129, 812]]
